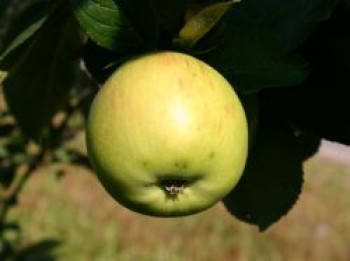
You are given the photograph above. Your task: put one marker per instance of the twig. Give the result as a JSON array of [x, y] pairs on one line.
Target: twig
[[22, 173]]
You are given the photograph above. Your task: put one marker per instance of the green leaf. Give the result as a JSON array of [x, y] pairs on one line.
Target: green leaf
[[23, 36], [292, 20], [3, 75], [104, 23], [321, 104], [251, 104], [348, 3], [253, 59], [201, 23], [101, 63], [40, 79], [5, 18], [273, 177], [27, 19], [143, 18], [170, 14]]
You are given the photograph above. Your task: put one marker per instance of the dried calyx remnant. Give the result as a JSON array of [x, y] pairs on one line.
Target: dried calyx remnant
[[173, 187]]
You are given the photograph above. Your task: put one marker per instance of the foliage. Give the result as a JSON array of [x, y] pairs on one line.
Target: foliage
[[289, 61]]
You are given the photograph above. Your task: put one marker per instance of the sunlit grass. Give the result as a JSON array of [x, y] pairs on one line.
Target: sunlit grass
[[75, 210]]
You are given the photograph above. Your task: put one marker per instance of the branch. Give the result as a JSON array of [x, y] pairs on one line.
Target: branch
[[22, 173]]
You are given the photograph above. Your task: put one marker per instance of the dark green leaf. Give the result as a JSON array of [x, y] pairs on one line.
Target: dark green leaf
[[253, 59], [201, 23], [251, 104], [104, 23], [4, 5], [101, 63], [170, 14], [291, 20], [23, 36], [151, 17], [39, 81], [348, 2], [27, 19], [143, 17], [321, 105], [273, 177], [5, 15], [3, 75]]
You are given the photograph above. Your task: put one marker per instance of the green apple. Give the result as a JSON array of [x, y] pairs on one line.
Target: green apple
[[167, 135]]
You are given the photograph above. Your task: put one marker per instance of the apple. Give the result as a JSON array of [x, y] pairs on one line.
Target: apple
[[167, 135]]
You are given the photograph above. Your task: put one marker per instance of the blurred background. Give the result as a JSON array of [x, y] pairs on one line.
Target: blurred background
[[65, 214]]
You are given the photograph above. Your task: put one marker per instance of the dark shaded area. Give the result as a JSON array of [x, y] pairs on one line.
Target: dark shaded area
[[100, 62], [40, 251], [273, 177], [321, 104]]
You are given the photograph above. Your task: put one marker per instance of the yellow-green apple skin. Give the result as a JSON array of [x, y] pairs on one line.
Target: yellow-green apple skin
[[167, 135]]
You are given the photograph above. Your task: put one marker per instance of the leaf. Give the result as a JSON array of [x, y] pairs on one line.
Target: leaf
[[100, 62], [170, 14], [292, 20], [104, 23], [253, 59], [3, 75], [24, 36], [251, 104], [201, 23], [143, 18], [40, 80], [321, 104], [5, 18], [273, 177], [22, 25]]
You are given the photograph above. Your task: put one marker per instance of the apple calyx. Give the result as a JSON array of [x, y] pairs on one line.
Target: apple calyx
[[173, 187]]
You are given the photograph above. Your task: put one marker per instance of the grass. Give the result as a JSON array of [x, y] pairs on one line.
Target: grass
[[89, 225]]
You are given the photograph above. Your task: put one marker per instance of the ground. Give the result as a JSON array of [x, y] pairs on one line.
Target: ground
[[75, 211]]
